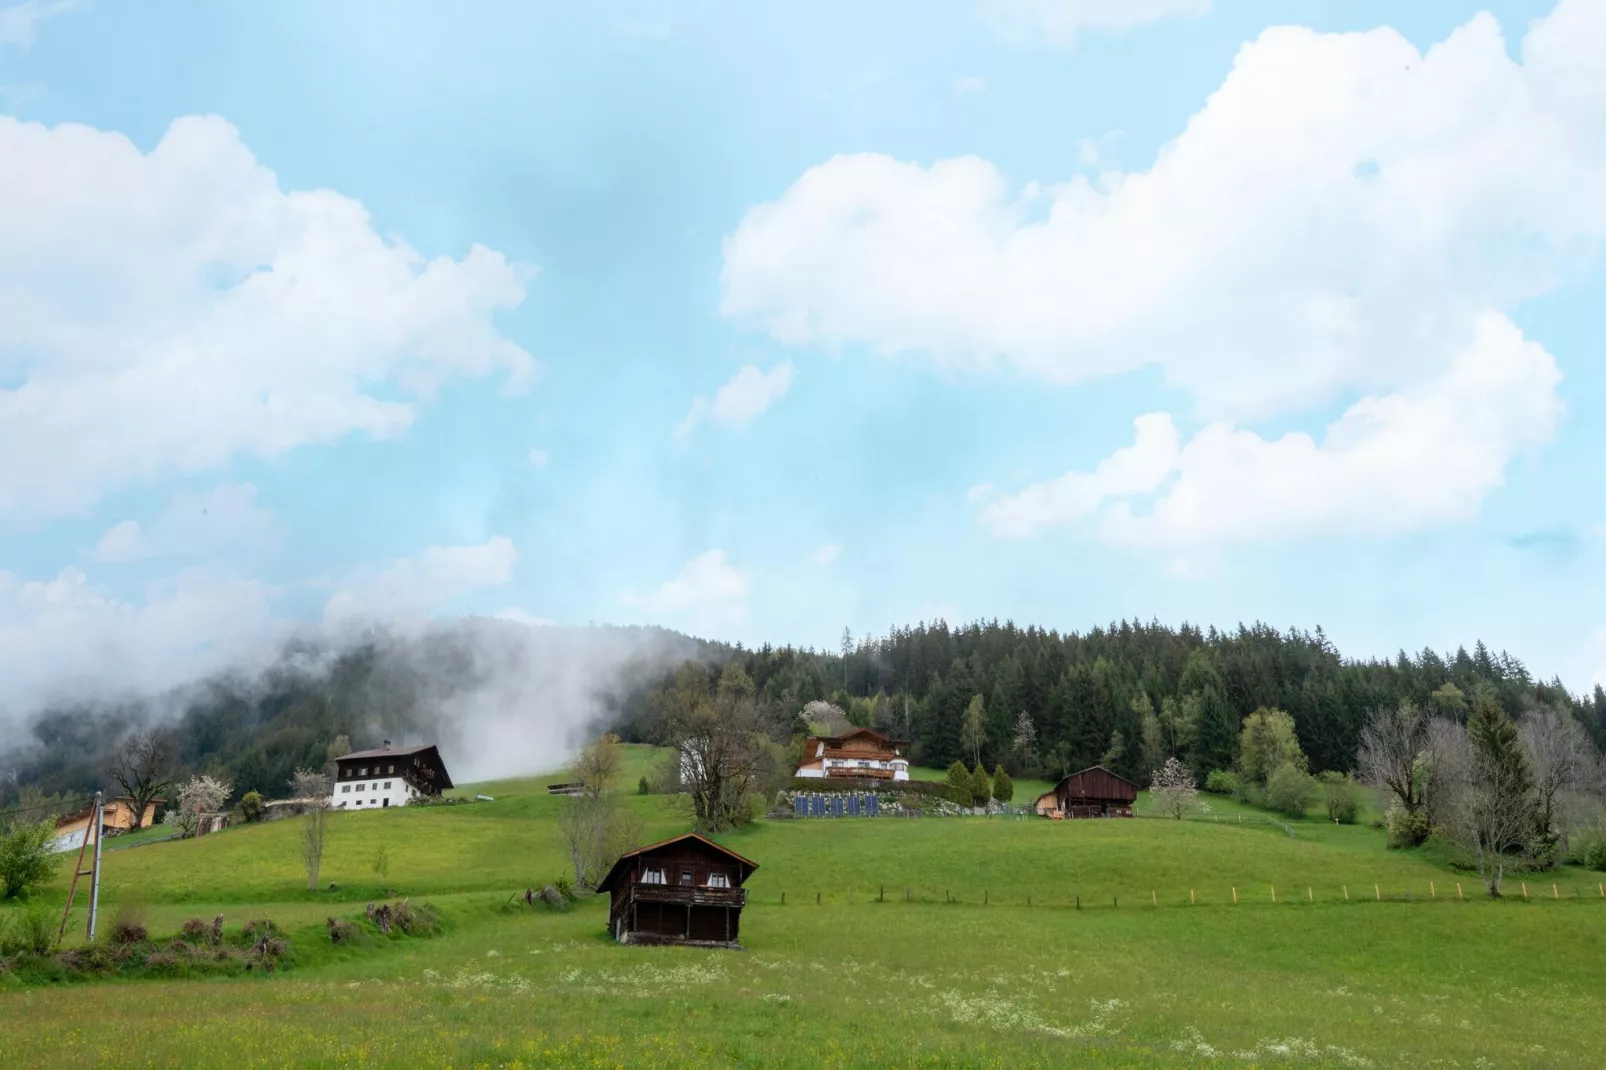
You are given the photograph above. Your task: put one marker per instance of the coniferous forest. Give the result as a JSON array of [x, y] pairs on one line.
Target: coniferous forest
[[1126, 696]]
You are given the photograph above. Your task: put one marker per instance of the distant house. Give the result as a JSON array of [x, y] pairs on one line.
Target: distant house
[[117, 816], [861, 753], [1094, 792], [388, 777], [685, 890]]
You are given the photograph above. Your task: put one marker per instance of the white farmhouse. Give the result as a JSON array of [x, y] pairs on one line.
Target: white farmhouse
[[369, 779]]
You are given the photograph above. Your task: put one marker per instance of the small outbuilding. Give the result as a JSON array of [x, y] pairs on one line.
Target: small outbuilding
[[686, 890], [1093, 792]]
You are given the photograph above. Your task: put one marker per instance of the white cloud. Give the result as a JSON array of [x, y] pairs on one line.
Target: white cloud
[[410, 588], [70, 637], [1060, 21], [827, 555], [539, 458], [1335, 219], [1388, 465], [169, 311], [741, 400], [707, 588], [972, 84], [1136, 469], [19, 22], [228, 517], [980, 492]]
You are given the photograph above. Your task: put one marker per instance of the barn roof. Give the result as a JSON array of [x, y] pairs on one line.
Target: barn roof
[[620, 866], [1095, 769]]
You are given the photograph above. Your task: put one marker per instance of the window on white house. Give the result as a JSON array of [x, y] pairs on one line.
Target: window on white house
[[387, 785], [361, 786], [345, 789]]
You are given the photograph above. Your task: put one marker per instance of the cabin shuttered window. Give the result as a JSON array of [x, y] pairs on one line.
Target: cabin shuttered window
[[718, 880], [653, 876]]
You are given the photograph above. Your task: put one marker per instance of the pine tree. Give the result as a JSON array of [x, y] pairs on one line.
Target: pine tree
[[1003, 787]]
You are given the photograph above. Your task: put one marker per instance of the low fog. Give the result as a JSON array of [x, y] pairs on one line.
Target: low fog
[[501, 697]]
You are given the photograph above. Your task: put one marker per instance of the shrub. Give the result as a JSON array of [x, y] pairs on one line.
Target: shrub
[[565, 888], [1003, 786], [1291, 790], [1342, 797], [128, 924], [1588, 848], [959, 780], [980, 789], [25, 859], [642, 787], [251, 806], [31, 930], [1221, 782], [1406, 829], [196, 929]]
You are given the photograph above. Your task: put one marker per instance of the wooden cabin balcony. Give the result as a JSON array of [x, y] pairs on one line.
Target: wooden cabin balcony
[[683, 895]]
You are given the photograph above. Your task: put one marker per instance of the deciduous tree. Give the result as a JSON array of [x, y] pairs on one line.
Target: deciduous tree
[[143, 766], [1173, 789]]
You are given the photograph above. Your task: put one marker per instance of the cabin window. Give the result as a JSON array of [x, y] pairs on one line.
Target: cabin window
[[653, 876], [391, 769], [685, 876], [718, 880], [363, 771], [346, 772]]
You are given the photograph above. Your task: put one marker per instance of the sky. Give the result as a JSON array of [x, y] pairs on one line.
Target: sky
[[762, 321]]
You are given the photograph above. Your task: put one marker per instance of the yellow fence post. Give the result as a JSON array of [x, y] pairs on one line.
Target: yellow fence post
[[1346, 893], [1525, 889], [1433, 893], [1191, 899], [1154, 897], [1235, 897], [1378, 892], [1553, 893], [1458, 894], [1309, 894], [1274, 893]]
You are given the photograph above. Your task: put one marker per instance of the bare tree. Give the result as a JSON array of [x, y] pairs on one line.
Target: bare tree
[[1482, 792], [144, 766], [1561, 758], [595, 826], [597, 764], [1394, 754], [1173, 789], [315, 824], [727, 752]]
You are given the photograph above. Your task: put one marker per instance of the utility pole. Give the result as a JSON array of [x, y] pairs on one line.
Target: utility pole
[[96, 816], [94, 873]]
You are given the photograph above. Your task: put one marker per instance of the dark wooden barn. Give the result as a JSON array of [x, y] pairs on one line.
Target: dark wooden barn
[[1094, 792], [685, 890]]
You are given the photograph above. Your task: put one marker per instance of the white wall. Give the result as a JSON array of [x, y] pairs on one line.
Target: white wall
[[372, 793]]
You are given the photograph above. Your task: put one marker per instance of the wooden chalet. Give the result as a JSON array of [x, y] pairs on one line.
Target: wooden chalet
[[862, 753], [685, 890], [388, 776], [1094, 792]]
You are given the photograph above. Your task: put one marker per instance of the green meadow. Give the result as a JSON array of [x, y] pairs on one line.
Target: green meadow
[[961, 941]]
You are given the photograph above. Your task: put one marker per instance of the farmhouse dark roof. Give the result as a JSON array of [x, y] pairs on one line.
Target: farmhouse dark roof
[[382, 751], [623, 864]]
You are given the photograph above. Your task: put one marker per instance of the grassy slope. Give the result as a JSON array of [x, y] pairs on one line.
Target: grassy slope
[[964, 984]]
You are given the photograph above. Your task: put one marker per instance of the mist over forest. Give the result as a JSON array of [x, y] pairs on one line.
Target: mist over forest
[[505, 698]]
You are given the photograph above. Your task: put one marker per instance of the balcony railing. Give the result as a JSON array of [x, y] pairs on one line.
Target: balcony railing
[[684, 895]]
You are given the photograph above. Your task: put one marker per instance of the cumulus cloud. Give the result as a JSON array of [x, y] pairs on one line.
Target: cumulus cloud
[[407, 590], [19, 22], [1388, 465], [1335, 218], [709, 588], [741, 400], [1345, 216], [827, 555], [1058, 22], [226, 518], [166, 312]]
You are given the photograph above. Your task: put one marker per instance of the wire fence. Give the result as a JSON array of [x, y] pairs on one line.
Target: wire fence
[[1214, 895]]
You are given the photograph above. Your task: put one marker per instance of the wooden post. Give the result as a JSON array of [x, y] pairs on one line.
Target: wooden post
[[1346, 893], [1525, 889], [1114, 901], [783, 899], [816, 898], [1191, 899], [1553, 893], [984, 899], [1310, 894], [1154, 897], [1378, 892], [881, 897], [1235, 893], [1274, 893], [905, 893], [1458, 894], [1433, 893], [1078, 902], [850, 894]]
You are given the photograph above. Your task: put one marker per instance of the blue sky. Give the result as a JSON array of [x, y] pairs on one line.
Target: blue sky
[[763, 320]]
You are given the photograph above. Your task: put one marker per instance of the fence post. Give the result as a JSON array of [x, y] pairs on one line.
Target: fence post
[[816, 898], [1346, 893], [1154, 897], [1115, 901], [985, 898], [1553, 893], [882, 897], [1078, 902], [1525, 889], [1191, 900], [1433, 893], [1309, 894], [1235, 897], [1458, 894], [850, 895], [783, 899], [905, 893], [1274, 893]]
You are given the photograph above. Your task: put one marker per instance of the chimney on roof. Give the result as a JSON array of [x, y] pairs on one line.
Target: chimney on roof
[[386, 746]]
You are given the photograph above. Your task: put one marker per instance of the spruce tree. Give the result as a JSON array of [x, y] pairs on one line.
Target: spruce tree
[[959, 780], [979, 788], [1003, 787]]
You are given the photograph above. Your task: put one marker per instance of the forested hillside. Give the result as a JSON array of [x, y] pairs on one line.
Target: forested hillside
[[1120, 695]]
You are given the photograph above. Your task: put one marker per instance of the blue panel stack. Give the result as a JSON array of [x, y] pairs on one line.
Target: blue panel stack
[[873, 806], [817, 805], [836, 806], [800, 806], [853, 806]]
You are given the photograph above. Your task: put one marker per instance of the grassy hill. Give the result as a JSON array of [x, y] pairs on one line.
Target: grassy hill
[[1010, 972]]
